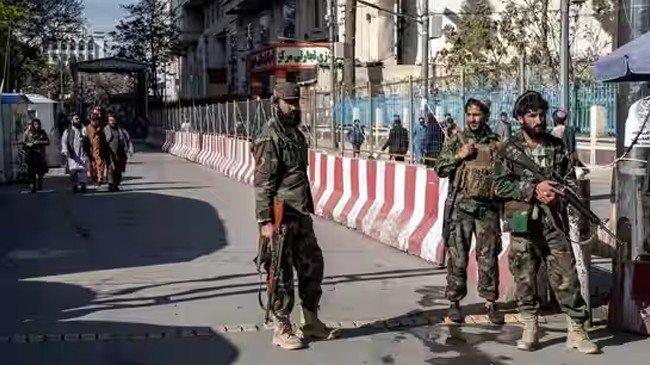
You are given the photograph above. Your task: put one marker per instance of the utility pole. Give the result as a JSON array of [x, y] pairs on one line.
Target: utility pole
[[349, 65], [522, 71], [425, 52], [564, 55], [331, 19], [61, 80]]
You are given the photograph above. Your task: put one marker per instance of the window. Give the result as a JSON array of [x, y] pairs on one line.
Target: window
[[318, 14]]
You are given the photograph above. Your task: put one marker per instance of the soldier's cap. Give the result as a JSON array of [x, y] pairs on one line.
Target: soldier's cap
[[481, 100], [529, 99], [485, 101], [287, 91]]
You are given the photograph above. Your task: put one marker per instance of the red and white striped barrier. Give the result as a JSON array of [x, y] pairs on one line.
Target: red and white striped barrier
[[195, 147], [400, 205], [202, 157], [169, 140], [178, 146], [219, 152], [397, 204]]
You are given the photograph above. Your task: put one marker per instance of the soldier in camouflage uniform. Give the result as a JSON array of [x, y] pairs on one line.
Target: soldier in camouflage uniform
[[538, 222], [280, 152], [467, 159]]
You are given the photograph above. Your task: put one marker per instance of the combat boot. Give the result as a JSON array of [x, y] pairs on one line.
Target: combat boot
[[313, 328], [530, 337], [455, 314], [493, 313], [284, 336], [577, 338]]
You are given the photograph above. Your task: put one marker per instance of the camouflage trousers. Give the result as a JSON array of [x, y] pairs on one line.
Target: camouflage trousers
[[486, 227], [545, 242], [300, 251]]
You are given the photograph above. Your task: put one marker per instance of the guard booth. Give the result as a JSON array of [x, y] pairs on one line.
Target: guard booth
[[630, 301], [14, 117], [138, 102]]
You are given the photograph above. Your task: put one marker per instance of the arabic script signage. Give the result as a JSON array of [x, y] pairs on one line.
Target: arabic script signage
[[262, 61], [301, 56]]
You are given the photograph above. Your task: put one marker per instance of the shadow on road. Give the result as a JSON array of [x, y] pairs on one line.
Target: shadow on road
[[461, 345], [212, 291], [56, 232]]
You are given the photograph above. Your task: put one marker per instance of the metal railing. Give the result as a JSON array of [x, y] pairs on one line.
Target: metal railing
[[375, 107]]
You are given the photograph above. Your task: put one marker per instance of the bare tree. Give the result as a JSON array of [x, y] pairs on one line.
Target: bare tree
[[149, 34]]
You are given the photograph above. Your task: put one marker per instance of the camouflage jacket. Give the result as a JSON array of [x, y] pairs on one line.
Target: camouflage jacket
[[516, 185], [281, 169], [448, 165]]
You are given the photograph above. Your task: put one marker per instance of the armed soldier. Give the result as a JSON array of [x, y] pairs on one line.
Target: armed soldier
[[538, 222], [281, 173], [467, 159]]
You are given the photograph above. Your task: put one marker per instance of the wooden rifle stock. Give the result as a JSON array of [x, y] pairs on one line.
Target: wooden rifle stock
[[278, 213], [275, 264]]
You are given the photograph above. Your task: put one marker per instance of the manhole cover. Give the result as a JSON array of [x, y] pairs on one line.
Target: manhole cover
[[42, 254]]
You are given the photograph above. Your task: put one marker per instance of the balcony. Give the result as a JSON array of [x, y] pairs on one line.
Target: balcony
[[249, 7], [191, 3]]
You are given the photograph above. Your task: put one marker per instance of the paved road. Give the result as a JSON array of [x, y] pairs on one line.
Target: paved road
[[162, 273]]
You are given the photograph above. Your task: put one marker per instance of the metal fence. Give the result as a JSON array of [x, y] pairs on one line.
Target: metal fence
[[238, 118], [405, 99], [374, 107]]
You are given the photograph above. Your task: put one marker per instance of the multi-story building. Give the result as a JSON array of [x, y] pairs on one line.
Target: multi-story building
[[83, 45], [242, 47], [396, 42]]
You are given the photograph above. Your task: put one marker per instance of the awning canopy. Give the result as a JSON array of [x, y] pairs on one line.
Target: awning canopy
[[630, 63], [13, 98], [39, 99], [111, 64]]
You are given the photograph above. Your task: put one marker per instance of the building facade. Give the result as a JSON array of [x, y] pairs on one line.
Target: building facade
[[242, 47], [84, 45], [396, 42]]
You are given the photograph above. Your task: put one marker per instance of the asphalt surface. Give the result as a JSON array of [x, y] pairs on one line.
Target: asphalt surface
[[161, 273]]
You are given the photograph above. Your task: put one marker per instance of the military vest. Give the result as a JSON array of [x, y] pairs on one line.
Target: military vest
[[477, 175]]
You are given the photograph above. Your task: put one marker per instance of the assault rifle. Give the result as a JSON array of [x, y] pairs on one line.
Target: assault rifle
[[515, 155], [451, 199], [269, 255]]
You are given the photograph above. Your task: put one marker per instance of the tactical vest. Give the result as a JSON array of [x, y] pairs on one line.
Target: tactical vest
[[477, 175]]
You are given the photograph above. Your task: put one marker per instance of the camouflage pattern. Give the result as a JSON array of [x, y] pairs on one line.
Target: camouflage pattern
[[486, 226], [448, 165], [543, 236], [300, 251], [468, 216], [281, 169]]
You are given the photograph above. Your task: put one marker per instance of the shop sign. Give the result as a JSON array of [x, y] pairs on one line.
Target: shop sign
[[301, 56], [262, 61]]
